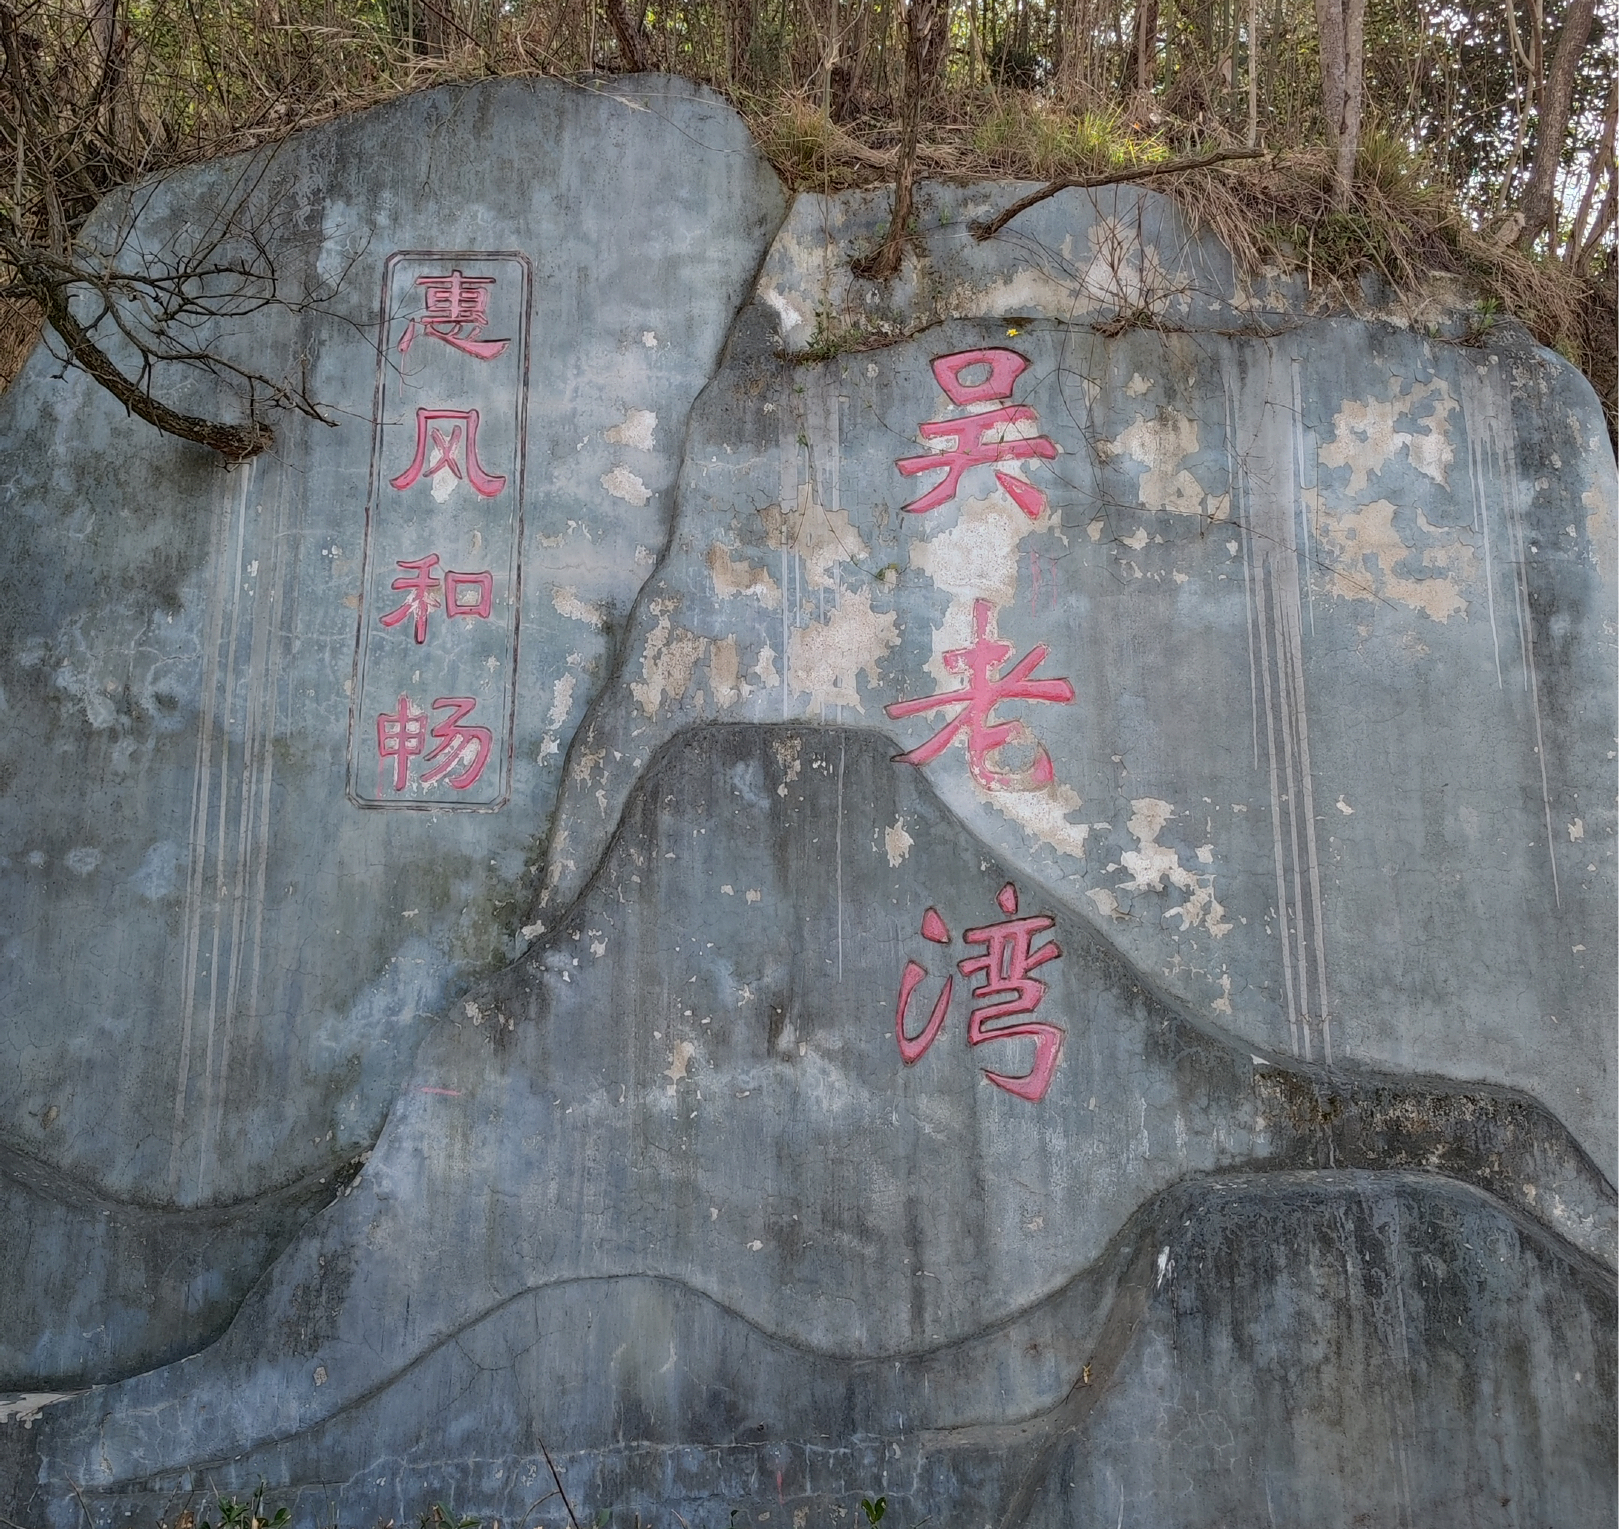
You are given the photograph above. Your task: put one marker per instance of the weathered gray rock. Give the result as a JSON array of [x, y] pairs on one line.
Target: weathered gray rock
[[654, 1122], [217, 969]]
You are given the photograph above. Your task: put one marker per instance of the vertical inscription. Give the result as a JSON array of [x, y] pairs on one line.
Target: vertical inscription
[[435, 666]]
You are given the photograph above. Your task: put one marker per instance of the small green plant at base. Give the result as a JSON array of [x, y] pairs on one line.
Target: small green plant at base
[[873, 1510], [247, 1515], [440, 1517]]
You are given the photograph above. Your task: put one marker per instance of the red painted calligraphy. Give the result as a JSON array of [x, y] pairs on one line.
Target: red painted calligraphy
[[463, 749], [448, 451], [1009, 958], [984, 691], [424, 594], [996, 434], [456, 311], [1006, 968]]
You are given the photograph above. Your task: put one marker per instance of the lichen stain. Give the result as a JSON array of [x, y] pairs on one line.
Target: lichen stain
[[667, 661], [825, 658], [734, 579], [1365, 439], [1368, 553], [1152, 864], [1161, 445]]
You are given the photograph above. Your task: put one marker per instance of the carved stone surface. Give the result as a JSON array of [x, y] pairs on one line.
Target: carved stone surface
[[1046, 947]]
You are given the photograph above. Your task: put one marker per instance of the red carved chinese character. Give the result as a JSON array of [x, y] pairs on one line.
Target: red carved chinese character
[[456, 312], [1006, 982], [982, 693], [933, 928], [455, 739], [969, 432], [481, 586], [401, 736], [447, 452], [421, 594], [1006, 970]]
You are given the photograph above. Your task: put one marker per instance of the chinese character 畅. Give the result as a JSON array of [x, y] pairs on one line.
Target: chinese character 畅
[[994, 434], [1010, 956], [975, 700], [463, 749]]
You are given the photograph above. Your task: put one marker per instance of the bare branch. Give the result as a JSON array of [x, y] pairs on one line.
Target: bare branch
[[988, 229]]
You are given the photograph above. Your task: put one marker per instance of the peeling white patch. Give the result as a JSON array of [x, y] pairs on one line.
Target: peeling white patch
[[821, 537], [1043, 814], [561, 700], [1161, 445], [566, 602], [753, 894], [897, 842], [765, 669], [636, 430], [1138, 541], [1344, 806], [734, 579], [825, 658], [667, 661], [1137, 385], [83, 860], [1222, 1004], [649, 338], [1365, 440], [621, 483], [724, 678], [1368, 554], [1153, 864], [1576, 831], [679, 1064], [1106, 903]]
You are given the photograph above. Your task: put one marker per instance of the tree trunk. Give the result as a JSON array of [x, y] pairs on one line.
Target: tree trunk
[[1146, 45], [1341, 25], [633, 43], [926, 32], [1556, 99]]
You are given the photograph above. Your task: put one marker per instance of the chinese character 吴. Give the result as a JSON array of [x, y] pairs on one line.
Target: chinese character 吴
[[402, 736], [975, 700], [424, 594], [982, 436], [456, 311], [1009, 958], [447, 450]]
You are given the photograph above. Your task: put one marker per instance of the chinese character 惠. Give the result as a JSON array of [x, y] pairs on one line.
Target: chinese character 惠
[[447, 451], [982, 693], [456, 311], [424, 594], [1010, 957], [986, 435], [402, 736]]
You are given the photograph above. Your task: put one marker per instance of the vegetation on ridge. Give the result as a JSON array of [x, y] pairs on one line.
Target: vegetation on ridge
[[1399, 137]]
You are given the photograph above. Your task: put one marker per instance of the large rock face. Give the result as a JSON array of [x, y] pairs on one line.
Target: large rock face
[[1014, 906]]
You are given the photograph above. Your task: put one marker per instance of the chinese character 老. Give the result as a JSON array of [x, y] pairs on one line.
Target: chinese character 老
[[982, 693]]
